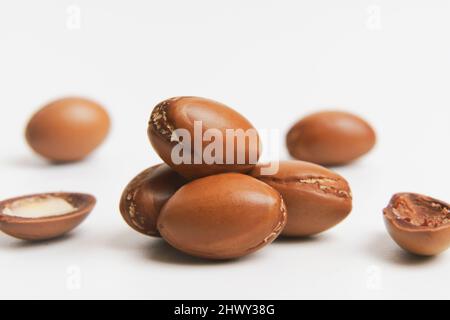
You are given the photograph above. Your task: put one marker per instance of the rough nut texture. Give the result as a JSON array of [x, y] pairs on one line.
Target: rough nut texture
[[181, 113], [223, 216], [330, 138], [316, 198], [146, 194], [68, 129], [419, 224]]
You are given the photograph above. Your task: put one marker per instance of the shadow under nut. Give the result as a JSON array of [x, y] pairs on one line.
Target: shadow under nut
[[418, 224], [146, 194], [330, 138], [316, 198], [181, 113], [224, 216]]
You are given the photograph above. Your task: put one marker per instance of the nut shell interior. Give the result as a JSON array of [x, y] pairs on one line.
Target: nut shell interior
[[419, 224], [44, 227]]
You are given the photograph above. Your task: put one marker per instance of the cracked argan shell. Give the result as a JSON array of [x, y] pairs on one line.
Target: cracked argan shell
[[236, 154], [316, 198], [44, 216], [68, 129], [418, 224], [330, 138], [223, 216], [146, 194]]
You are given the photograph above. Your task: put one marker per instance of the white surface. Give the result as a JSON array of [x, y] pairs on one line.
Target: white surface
[[274, 61]]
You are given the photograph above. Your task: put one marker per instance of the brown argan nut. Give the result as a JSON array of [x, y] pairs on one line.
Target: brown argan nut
[[330, 138], [44, 216], [419, 224], [177, 124], [222, 217], [68, 129], [316, 198], [146, 194]]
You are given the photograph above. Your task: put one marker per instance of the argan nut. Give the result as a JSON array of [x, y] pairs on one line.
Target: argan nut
[[198, 137], [316, 198], [419, 224], [44, 216], [146, 194], [68, 129], [222, 217], [330, 138]]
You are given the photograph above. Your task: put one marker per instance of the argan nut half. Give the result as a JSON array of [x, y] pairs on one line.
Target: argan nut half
[[223, 216], [146, 194], [330, 138], [68, 129], [199, 137], [419, 224], [316, 198], [44, 216]]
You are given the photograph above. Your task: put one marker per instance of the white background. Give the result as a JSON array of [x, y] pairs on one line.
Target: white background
[[274, 61]]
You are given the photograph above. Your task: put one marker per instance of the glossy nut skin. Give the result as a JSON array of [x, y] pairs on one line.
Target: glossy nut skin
[[146, 194], [330, 138], [316, 198], [180, 113], [418, 224], [46, 228], [222, 217], [68, 129]]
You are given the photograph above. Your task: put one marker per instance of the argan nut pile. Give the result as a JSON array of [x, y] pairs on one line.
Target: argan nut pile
[[44, 216], [225, 210], [330, 138], [419, 224], [68, 129], [316, 198], [182, 114], [223, 216], [145, 196]]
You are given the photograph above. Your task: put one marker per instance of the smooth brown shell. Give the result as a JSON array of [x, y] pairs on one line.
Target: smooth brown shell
[[180, 113], [146, 194], [68, 129], [330, 138], [35, 229], [222, 217], [316, 198], [419, 224]]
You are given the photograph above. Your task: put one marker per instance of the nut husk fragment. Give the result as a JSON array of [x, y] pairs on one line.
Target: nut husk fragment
[[45, 227], [419, 224]]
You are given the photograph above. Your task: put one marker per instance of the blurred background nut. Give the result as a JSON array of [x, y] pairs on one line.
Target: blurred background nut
[[330, 138], [68, 129]]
